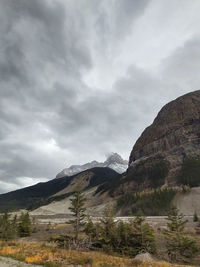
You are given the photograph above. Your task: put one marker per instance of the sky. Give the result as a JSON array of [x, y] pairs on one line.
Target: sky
[[81, 79]]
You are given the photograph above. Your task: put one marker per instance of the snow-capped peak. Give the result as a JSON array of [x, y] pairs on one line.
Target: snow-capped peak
[[114, 161]]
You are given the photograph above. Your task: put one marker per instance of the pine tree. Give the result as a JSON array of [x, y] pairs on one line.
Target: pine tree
[[25, 225], [179, 247], [14, 226], [90, 228], [144, 235], [8, 227], [107, 221], [108, 229], [78, 212]]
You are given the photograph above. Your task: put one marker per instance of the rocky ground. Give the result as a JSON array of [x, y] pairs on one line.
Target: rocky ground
[[8, 262]]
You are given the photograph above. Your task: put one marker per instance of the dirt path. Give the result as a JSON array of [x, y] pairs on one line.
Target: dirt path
[[8, 262]]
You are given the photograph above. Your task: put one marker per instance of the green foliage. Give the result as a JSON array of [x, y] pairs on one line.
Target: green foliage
[[195, 217], [8, 227], [179, 247], [91, 229], [78, 212], [190, 172], [24, 225], [124, 238], [150, 203]]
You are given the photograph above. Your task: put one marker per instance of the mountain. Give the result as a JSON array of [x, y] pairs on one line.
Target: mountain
[[166, 149], [164, 168], [173, 137], [164, 164], [114, 161], [41, 194]]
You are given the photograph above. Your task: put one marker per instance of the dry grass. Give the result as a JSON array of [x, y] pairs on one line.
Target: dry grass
[[48, 256]]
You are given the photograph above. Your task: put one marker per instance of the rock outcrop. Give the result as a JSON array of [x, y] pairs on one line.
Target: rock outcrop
[[173, 136]]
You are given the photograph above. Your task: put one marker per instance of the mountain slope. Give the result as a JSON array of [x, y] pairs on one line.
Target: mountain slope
[[114, 161], [54, 190]]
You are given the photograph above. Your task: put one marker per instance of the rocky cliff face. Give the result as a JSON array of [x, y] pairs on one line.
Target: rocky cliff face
[[174, 135]]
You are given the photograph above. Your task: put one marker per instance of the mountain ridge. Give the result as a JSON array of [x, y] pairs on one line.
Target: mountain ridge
[[114, 161], [34, 196]]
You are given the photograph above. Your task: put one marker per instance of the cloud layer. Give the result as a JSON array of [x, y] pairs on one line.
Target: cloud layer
[[80, 79]]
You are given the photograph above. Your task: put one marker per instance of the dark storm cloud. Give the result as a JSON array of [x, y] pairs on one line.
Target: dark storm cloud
[[42, 55], [50, 116]]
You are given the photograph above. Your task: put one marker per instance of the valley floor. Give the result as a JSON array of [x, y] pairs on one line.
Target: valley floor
[[37, 249]]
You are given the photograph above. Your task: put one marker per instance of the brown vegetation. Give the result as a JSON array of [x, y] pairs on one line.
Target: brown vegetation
[[48, 256]]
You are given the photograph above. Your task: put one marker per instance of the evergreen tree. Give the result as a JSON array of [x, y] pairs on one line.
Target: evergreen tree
[[8, 227], [14, 226], [144, 235], [78, 212], [148, 239], [179, 247], [24, 225], [90, 228], [108, 229]]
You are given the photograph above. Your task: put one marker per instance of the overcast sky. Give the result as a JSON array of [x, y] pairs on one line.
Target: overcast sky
[[81, 79]]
